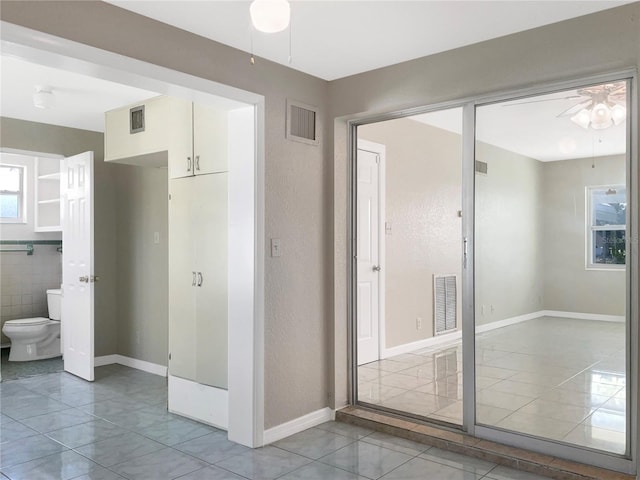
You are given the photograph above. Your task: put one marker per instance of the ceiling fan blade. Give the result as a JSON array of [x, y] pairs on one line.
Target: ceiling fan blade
[[541, 100], [569, 112]]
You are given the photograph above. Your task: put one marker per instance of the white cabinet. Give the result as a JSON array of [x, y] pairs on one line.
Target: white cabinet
[[47, 195], [145, 133], [190, 138], [198, 231], [208, 151]]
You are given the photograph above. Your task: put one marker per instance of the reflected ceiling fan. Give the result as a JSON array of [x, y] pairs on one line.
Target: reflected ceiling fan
[[599, 106]]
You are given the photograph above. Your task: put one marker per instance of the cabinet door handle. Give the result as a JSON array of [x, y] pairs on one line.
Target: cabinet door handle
[[198, 162], [188, 164], [193, 280], [200, 279], [84, 279]]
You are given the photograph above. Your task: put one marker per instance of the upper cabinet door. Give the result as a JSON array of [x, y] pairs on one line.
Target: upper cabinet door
[[180, 134], [210, 127]]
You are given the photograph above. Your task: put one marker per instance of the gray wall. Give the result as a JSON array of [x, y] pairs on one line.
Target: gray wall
[[568, 286], [39, 137], [298, 184], [423, 197], [552, 53], [142, 265]]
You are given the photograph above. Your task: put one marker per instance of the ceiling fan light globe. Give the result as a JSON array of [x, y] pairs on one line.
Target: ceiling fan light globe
[[582, 118], [618, 114], [601, 117], [270, 16]]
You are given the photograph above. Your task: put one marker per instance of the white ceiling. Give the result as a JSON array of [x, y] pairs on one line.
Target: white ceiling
[[80, 100], [334, 39], [532, 127]]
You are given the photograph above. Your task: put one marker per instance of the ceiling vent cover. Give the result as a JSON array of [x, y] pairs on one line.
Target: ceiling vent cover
[[302, 122]]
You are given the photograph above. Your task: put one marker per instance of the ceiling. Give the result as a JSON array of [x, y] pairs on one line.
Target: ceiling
[[411, 29], [335, 39]]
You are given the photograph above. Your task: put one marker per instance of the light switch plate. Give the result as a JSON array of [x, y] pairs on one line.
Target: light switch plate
[[275, 247]]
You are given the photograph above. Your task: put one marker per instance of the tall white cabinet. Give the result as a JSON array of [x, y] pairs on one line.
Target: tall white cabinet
[[198, 219]]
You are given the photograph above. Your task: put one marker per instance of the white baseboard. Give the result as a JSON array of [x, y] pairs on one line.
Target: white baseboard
[[298, 425], [509, 321], [131, 362], [199, 402], [585, 316], [438, 340]]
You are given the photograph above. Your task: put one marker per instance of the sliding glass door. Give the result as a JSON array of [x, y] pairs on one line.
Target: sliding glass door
[[552, 268]]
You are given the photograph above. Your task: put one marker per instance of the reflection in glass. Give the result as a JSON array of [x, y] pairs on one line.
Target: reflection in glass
[[550, 234]]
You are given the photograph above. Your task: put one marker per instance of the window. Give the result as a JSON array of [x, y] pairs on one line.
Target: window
[[606, 227], [11, 194]]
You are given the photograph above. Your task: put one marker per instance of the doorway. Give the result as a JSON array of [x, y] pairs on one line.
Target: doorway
[[246, 183]]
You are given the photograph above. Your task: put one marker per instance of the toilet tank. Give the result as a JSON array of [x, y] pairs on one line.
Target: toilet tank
[[54, 300]]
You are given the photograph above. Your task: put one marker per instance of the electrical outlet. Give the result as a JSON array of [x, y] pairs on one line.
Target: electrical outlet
[[418, 323], [493, 309]]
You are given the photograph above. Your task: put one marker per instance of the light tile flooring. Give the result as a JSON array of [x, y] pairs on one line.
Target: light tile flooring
[[59, 427], [556, 378]]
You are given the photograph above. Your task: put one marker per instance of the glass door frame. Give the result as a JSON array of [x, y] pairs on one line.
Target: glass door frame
[[624, 463]]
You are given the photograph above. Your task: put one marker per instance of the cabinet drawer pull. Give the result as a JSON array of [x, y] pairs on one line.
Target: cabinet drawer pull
[[188, 164], [193, 280], [200, 279], [198, 162]]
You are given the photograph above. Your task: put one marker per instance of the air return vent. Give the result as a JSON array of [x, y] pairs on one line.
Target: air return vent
[[481, 167], [444, 303], [302, 123]]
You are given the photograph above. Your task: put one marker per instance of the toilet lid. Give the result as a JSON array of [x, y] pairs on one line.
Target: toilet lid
[[28, 321]]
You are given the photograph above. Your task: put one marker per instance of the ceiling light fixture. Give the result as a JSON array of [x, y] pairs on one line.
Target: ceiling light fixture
[[600, 114], [44, 98], [270, 16]]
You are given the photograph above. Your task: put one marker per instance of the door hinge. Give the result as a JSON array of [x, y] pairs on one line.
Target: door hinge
[[169, 196], [377, 158], [169, 355]]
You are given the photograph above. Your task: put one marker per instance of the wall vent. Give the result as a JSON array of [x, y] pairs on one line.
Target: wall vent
[[302, 123], [445, 317], [481, 167]]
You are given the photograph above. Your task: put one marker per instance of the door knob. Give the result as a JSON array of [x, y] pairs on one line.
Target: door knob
[[376, 268], [94, 278]]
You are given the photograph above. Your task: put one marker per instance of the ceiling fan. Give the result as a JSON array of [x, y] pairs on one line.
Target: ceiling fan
[[599, 106]]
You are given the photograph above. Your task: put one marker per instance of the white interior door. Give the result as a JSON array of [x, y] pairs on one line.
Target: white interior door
[[368, 256], [78, 275]]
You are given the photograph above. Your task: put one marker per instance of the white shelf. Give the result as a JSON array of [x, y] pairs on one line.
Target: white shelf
[[44, 202], [50, 176]]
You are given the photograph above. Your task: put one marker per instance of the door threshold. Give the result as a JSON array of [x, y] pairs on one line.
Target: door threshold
[[460, 442]]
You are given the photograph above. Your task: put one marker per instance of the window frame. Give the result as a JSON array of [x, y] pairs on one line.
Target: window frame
[[22, 217], [591, 229]]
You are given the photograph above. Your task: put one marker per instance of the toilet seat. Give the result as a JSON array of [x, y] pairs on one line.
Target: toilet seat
[[28, 321]]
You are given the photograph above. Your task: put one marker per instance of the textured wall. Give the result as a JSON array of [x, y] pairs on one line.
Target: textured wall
[[568, 285], [423, 197], [142, 268]]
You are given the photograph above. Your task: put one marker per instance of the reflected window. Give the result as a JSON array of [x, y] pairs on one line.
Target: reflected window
[[606, 242], [11, 193]]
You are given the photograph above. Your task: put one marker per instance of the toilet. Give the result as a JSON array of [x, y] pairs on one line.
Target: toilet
[[36, 338]]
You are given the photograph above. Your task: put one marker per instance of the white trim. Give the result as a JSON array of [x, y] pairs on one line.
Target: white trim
[[509, 321], [298, 425], [246, 364], [585, 316], [453, 337], [381, 151], [199, 402], [131, 362]]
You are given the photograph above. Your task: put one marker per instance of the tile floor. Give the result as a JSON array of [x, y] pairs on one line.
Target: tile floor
[[15, 370], [57, 426], [556, 378]]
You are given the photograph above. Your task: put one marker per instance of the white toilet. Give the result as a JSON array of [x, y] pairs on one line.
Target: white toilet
[[36, 338]]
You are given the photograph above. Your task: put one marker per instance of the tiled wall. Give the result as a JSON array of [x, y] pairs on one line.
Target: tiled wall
[[24, 280]]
